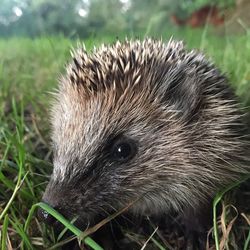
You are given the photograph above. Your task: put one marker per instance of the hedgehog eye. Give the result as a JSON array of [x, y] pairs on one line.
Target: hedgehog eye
[[123, 150]]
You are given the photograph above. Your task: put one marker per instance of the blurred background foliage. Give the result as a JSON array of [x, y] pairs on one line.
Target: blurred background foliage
[[86, 18]]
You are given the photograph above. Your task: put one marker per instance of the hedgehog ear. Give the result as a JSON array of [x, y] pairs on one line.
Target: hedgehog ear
[[183, 92]]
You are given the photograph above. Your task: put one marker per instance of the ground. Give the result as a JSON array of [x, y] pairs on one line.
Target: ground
[[29, 69]]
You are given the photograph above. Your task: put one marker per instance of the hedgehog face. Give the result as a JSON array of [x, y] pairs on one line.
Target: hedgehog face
[[103, 161], [126, 126]]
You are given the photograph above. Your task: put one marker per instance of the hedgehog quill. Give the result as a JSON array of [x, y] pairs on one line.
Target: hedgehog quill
[[144, 119]]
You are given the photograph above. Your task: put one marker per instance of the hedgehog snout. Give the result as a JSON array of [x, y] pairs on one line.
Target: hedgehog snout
[[54, 196], [45, 217]]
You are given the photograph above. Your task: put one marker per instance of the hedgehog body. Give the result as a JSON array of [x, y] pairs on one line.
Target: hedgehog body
[[145, 122]]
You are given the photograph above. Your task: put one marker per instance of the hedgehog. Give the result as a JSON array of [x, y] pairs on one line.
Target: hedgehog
[[146, 123]]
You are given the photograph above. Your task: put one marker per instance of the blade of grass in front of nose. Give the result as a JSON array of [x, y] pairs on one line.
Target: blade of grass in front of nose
[[88, 241]]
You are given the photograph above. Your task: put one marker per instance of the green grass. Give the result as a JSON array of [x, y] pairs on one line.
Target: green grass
[[28, 72]]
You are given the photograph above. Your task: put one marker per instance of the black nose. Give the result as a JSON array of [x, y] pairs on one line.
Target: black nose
[[45, 217]]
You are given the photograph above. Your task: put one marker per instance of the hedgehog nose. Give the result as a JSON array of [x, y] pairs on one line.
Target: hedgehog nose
[[45, 217]]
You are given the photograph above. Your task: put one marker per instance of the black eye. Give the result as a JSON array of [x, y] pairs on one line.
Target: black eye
[[123, 150]]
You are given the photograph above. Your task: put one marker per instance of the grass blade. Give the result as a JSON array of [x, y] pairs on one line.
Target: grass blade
[[88, 241], [216, 201], [246, 245], [4, 232]]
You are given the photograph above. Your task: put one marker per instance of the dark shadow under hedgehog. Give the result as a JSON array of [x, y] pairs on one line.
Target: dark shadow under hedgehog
[[146, 121]]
